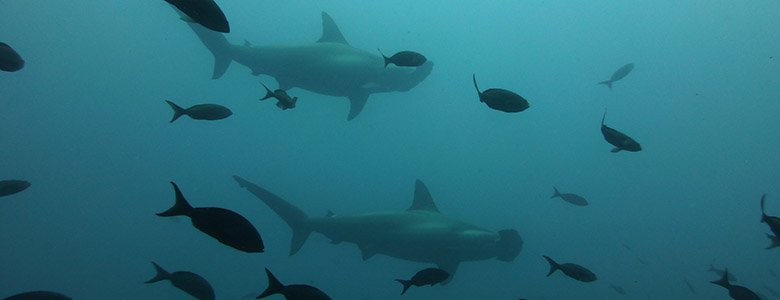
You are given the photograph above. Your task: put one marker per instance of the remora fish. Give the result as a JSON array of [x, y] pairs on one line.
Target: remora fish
[[618, 75], [329, 67], [420, 233]]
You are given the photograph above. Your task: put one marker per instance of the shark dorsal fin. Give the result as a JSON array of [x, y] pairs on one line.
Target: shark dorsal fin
[[330, 31], [422, 198]]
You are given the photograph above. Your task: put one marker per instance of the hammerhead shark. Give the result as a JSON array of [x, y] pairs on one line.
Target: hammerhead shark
[[420, 233], [329, 67]]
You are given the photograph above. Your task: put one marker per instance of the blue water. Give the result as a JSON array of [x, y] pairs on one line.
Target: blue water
[[86, 124]]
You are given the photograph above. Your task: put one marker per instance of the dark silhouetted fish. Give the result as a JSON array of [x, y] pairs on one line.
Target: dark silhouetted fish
[[200, 112], [203, 12], [429, 276], [720, 272], [39, 295], [618, 139], [226, 226], [737, 292], [690, 287], [10, 61], [188, 282], [618, 75], [293, 291], [10, 187], [405, 59], [774, 225], [574, 271], [617, 289], [571, 198], [501, 99], [284, 101]]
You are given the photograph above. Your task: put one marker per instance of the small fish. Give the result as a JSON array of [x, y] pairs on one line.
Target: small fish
[[293, 291], [228, 227], [10, 187], [39, 295], [574, 271], [720, 272], [690, 287], [189, 282], [737, 292], [618, 75], [501, 99], [774, 225], [620, 140], [10, 61], [571, 198], [404, 59], [283, 99], [203, 12], [200, 112], [429, 276], [618, 289]]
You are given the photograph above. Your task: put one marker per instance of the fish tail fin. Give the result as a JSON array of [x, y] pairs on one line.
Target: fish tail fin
[[555, 193], [406, 284], [180, 208], [775, 241], [217, 44], [178, 111], [474, 79], [292, 215], [387, 60], [763, 212], [554, 266], [274, 285], [724, 281], [161, 274], [608, 83], [268, 93]]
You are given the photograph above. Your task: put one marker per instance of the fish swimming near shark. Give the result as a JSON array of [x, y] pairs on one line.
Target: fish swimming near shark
[[618, 75], [292, 291], [203, 12], [774, 225], [620, 140], [736, 292], [421, 233], [283, 100], [189, 282], [330, 66], [429, 276]]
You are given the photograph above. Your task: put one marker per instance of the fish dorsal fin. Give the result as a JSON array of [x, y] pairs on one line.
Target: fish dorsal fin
[[422, 198], [330, 31]]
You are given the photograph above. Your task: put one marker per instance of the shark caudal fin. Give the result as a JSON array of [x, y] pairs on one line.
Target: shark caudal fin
[[293, 216], [217, 44], [161, 274]]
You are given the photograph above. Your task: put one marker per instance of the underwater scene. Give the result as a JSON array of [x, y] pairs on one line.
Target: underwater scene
[[370, 150]]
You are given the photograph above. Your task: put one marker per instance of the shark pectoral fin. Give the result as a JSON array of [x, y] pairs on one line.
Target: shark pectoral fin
[[367, 251], [356, 103], [330, 31], [451, 267]]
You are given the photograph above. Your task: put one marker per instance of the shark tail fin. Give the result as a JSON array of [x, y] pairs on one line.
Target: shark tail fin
[[293, 216], [608, 83], [555, 193], [274, 286], [161, 274], [218, 45], [180, 208], [406, 284], [178, 111], [554, 266], [775, 241]]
